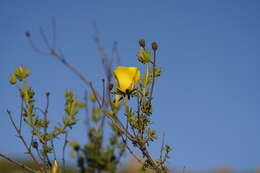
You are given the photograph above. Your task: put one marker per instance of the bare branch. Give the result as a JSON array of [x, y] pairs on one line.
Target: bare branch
[[162, 146], [21, 138], [18, 164], [154, 67], [21, 117], [63, 151], [131, 151], [54, 151], [115, 53], [54, 33]]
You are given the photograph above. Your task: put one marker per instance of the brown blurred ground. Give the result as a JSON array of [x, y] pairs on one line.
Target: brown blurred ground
[[131, 167]]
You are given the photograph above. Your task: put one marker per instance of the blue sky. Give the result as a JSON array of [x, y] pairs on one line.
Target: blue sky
[[207, 99]]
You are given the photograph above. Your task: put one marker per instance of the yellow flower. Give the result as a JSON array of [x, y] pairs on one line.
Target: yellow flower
[[126, 78], [21, 72], [12, 79], [55, 166]]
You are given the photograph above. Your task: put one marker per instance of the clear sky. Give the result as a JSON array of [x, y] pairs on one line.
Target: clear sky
[[207, 99]]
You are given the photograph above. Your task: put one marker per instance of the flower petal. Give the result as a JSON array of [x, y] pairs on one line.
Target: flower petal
[[126, 77]]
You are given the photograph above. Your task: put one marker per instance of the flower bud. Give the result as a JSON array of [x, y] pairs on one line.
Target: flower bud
[[144, 56], [55, 167], [74, 107], [21, 72], [47, 94], [142, 43], [68, 94], [27, 34], [12, 79], [154, 46]]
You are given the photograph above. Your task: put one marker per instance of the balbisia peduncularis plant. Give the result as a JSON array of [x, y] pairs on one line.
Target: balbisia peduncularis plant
[[125, 104]]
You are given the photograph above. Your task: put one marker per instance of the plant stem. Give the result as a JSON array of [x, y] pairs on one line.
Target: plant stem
[[21, 137], [18, 164], [63, 151], [154, 66]]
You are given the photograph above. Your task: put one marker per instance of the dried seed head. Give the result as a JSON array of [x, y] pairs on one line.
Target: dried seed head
[[142, 43], [27, 34], [154, 46], [48, 94]]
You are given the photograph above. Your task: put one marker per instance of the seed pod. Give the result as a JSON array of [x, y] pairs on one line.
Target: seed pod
[[142, 43], [154, 46], [27, 34]]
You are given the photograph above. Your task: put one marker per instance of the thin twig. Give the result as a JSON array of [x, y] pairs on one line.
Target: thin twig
[[53, 148], [131, 151], [18, 164], [86, 109], [116, 53], [104, 58], [162, 146], [45, 39], [21, 117], [54, 33], [154, 66], [21, 138], [45, 155], [36, 49], [39, 154], [63, 151], [61, 58], [103, 106]]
